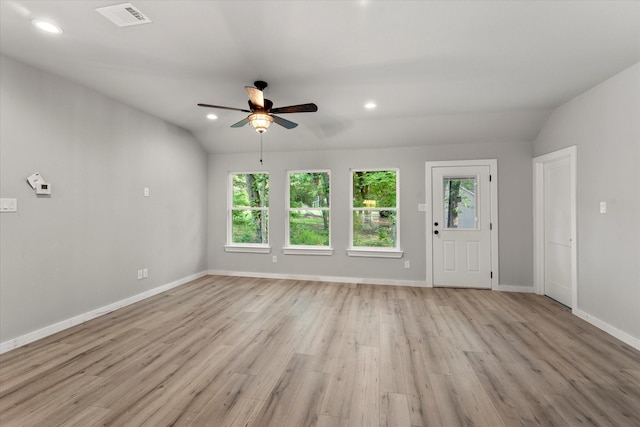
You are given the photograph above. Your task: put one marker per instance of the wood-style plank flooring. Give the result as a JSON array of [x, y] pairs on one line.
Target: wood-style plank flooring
[[232, 351]]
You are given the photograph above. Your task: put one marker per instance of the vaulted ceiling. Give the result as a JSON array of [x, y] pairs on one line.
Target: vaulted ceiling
[[439, 71]]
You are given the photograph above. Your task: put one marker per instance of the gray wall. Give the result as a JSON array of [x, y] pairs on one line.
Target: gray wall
[[80, 249], [604, 123], [515, 210]]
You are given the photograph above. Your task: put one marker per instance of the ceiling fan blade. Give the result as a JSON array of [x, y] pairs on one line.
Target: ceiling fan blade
[[268, 105], [240, 123], [302, 108], [284, 122], [224, 108], [256, 96]]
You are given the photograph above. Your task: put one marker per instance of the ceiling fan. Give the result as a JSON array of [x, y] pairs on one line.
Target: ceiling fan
[[262, 111]]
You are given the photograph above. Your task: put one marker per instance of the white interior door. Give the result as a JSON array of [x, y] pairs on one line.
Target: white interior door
[[557, 230], [461, 226]]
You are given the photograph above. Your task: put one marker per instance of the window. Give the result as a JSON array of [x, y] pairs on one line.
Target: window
[[248, 216], [308, 213], [374, 213], [460, 203]]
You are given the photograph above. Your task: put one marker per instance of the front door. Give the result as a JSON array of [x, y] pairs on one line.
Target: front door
[[461, 226]]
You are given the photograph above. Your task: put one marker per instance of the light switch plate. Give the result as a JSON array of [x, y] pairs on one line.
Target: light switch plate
[[603, 207], [8, 205]]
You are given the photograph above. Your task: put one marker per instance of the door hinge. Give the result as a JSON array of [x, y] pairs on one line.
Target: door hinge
[[492, 274], [489, 178], [490, 226]]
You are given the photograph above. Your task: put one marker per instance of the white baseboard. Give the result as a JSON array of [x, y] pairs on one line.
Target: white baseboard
[[611, 330], [313, 278], [514, 288], [68, 323]]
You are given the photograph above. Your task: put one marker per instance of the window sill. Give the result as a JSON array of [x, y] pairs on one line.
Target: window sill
[[375, 252], [307, 250], [250, 249]]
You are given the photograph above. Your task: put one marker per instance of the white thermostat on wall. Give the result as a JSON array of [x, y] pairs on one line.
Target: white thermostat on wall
[[43, 188]]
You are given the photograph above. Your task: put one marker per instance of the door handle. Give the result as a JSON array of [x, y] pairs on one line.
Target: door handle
[[436, 232]]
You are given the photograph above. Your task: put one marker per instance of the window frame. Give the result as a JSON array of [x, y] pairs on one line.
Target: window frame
[[290, 249], [374, 251], [230, 246]]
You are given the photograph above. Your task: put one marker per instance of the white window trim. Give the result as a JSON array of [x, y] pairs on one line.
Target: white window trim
[[248, 248], [374, 252], [307, 250], [290, 249], [260, 248]]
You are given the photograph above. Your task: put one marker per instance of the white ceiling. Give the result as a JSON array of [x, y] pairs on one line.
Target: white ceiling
[[440, 71]]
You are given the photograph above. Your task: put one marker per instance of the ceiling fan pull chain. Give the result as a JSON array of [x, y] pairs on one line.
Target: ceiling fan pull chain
[[260, 148]]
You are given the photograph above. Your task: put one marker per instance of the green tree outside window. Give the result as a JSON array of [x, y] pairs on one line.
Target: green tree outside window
[[374, 209], [250, 208], [309, 210]]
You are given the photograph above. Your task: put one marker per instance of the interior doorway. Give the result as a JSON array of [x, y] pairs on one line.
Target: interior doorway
[[555, 255]]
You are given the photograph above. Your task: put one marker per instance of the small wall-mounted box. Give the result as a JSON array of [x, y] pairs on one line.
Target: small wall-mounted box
[[43, 188], [34, 179]]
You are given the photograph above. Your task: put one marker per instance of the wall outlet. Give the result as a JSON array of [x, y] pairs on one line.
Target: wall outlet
[[145, 273], [407, 264], [275, 258], [139, 274], [146, 192], [603, 207]]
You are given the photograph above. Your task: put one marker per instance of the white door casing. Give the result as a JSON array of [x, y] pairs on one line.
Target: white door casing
[[462, 251], [555, 254]]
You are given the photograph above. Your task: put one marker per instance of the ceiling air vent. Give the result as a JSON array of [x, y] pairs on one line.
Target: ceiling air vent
[[124, 15]]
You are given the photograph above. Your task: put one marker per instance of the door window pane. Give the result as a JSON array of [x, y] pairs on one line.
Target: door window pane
[[460, 201]]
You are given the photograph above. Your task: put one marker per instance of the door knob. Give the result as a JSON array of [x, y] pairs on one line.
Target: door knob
[[435, 223], [436, 232]]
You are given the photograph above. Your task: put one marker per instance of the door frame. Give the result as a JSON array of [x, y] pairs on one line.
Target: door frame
[[493, 185], [538, 219]]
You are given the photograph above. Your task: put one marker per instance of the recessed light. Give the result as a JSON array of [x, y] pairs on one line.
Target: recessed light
[[47, 26], [370, 105], [211, 116]]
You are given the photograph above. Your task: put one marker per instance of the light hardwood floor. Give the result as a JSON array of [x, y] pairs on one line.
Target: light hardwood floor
[[231, 351]]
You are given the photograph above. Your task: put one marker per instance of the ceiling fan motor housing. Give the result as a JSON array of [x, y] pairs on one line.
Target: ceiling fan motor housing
[[259, 84]]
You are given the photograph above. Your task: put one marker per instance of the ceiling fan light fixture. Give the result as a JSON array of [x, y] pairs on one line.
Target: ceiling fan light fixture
[[260, 121]]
